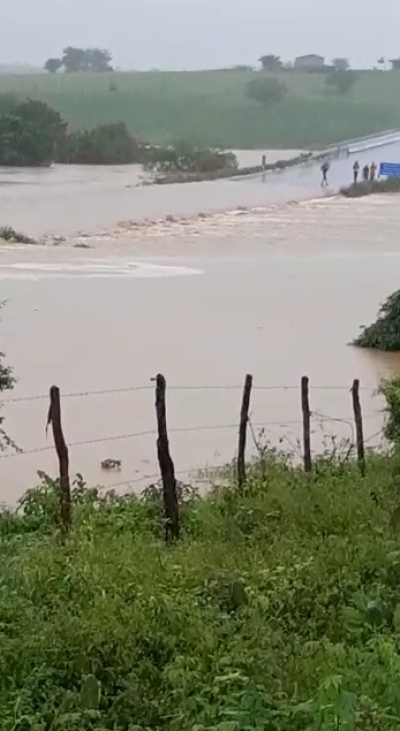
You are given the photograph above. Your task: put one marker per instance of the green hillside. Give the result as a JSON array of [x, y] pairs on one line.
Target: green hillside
[[211, 107]]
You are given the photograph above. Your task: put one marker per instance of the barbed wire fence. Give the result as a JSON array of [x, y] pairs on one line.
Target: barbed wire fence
[[167, 474]]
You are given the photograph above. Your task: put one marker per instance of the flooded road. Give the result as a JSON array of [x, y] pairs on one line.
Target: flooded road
[[66, 199], [277, 291]]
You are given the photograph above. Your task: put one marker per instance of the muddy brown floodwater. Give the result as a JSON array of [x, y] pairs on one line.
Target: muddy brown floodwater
[[277, 291]]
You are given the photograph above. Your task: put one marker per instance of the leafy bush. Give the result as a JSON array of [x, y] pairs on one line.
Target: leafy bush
[[29, 133], [390, 389], [384, 334], [266, 90], [185, 158], [109, 144], [7, 233], [33, 134]]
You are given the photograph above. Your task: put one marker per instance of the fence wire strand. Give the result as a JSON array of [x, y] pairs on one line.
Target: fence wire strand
[[132, 389], [322, 418]]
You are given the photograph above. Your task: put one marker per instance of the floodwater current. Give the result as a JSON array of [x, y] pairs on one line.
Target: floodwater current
[[277, 290]]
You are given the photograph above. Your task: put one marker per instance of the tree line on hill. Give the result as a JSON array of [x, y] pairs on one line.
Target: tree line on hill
[[271, 62], [75, 60], [268, 90]]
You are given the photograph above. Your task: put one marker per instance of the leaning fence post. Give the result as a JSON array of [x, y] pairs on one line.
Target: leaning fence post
[[359, 426], [305, 405], [54, 418], [167, 469], [244, 418]]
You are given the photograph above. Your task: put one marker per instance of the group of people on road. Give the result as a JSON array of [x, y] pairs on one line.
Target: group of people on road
[[368, 172]]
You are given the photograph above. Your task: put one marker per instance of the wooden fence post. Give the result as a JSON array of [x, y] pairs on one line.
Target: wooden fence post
[[359, 426], [54, 418], [305, 405], [244, 418], [167, 469]]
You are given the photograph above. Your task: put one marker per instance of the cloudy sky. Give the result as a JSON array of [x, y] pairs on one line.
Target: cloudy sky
[[191, 34]]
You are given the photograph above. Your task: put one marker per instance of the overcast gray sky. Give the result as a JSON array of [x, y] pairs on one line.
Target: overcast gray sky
[[200, 33]]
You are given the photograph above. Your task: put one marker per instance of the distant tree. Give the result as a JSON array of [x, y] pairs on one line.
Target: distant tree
[[341, 81], [53, 65], [341, 64], [99, 60], [270, 62], [74, 60], [89, 59], [266, 91]]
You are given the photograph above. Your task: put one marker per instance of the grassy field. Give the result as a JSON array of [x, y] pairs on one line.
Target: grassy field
[[279, 609], [211, 108]]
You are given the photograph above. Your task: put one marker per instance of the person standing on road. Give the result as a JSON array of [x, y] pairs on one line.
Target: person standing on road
[[325, 169], [366, 173], [356, 170], [372, 171]]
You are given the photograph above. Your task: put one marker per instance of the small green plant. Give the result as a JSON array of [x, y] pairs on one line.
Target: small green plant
[[7, 233], [390, 390]]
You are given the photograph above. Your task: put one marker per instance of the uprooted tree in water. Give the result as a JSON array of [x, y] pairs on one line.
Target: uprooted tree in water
[[384, 333]]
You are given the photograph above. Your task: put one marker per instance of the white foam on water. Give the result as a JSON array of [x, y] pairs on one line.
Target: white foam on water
[[92, 269]]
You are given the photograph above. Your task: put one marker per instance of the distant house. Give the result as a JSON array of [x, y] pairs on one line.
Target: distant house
[[311, 62], [395, 64]]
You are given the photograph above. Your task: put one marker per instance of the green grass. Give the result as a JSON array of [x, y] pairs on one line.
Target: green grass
[[279, 610], [211, 108]]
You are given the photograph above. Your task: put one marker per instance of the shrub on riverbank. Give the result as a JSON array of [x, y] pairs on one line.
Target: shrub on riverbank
[[9, 234], [278, 609], [109, 144], [184, 158], [358, 190], [32, 134], [384, 333], [29, 133], [390, 390]]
